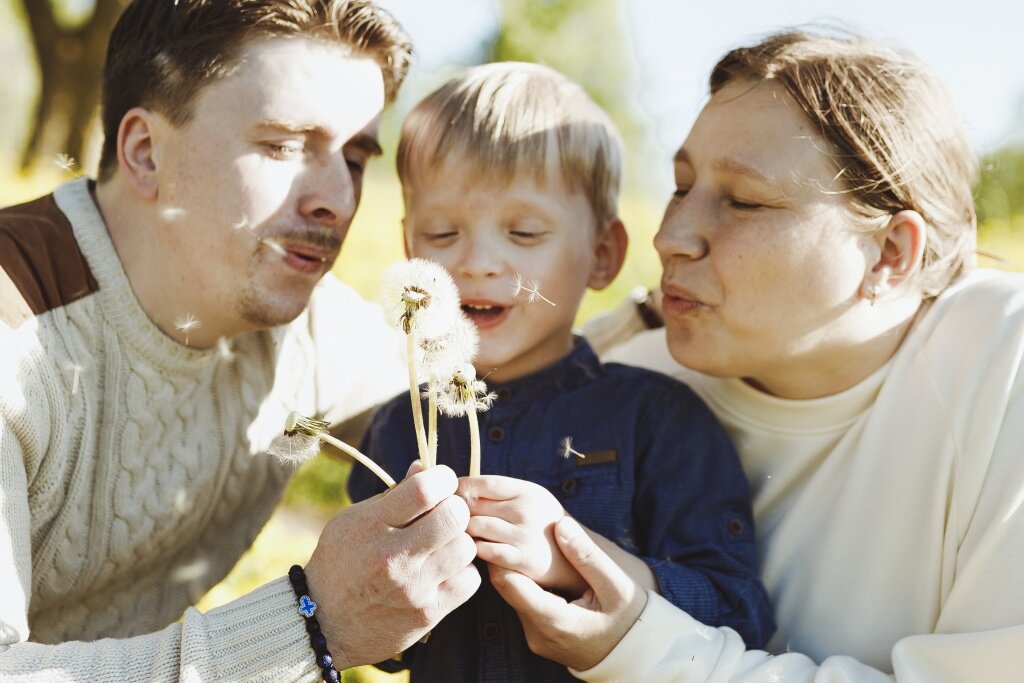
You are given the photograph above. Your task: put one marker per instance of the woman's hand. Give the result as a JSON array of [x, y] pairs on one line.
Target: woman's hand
[[513, 523], [580, 633]]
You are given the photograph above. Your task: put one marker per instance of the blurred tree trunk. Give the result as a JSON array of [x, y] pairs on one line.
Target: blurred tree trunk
[[70, 70]]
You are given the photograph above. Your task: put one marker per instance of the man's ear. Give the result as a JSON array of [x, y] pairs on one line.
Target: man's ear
[[610, 253], [138, 151], [903, 240]]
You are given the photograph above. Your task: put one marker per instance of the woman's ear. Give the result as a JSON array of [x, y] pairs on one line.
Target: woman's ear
[[902, 252], [138, 151], [609, 252]]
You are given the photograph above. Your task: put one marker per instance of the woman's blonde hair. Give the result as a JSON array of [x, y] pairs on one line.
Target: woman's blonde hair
[[511, 118], [899, 142]]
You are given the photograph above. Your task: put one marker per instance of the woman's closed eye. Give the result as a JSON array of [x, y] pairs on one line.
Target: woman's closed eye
[[744, 205], [283, 150]]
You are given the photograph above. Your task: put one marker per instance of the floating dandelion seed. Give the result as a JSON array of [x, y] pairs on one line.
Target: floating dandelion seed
[[78, 370], [187, 324], [568, 450], [66, 162], [224, 350], [531, 287], [241, 224], [172, 213], [301, 441], [273, 245]]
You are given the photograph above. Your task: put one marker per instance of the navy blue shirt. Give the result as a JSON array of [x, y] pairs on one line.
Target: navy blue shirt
[[660, 478]]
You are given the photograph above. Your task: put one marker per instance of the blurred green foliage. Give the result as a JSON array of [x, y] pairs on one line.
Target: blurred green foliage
[[999, 195]]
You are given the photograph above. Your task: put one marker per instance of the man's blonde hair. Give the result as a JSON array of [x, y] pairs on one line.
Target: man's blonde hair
[[509, 118], [899, 141]]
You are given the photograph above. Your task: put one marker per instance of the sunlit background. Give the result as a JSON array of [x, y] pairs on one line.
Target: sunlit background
[[646, 61]]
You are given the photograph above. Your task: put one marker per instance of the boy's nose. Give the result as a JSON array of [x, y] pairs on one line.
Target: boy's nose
[[480, 259]]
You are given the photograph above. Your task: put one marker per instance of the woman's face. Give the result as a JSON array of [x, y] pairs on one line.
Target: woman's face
[[762, 269]]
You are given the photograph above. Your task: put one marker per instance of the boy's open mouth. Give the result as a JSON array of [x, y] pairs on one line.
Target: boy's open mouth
[[483, 313]]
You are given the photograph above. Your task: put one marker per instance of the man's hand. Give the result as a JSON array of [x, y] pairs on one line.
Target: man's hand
[[581, 633], [513, 523], [386, 570]]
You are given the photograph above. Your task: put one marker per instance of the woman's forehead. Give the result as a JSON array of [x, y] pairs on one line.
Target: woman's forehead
[[758, 130]]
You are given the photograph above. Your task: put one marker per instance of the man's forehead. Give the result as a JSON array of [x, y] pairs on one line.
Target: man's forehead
[[303, 83]]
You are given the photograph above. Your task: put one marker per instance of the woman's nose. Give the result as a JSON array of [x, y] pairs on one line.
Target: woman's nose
[[682, 233]]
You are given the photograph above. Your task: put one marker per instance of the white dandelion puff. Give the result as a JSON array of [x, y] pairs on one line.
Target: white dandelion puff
[[442, 356], [301, 441], [532, 289], [568, 450], [421, 295], [186, 324]]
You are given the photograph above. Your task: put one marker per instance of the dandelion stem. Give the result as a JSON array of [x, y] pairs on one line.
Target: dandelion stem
[[432, 423], [414, 396], [360, 458], [474, 442]]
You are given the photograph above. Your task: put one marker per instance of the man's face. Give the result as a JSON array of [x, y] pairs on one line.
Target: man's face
[[258, 189]]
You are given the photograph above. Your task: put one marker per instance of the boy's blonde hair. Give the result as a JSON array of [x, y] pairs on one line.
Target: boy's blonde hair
[[509, 118], [899, 141]]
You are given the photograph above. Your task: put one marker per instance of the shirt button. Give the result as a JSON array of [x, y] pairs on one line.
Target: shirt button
[[490, 630], [569, 486], [496, 434], [503, 394], [736, 526]]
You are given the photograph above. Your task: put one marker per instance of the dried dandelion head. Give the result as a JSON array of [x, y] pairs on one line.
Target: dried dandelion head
[[421, 295], [300, 440], [296, 423], [442, 356], [462, 393]]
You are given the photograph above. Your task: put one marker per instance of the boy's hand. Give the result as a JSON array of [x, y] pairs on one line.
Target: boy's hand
[[513, 523]]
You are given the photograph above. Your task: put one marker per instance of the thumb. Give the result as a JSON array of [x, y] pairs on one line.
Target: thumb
[[610, 584]]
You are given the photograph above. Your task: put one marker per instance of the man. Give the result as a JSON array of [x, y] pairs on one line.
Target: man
[[156, 328]]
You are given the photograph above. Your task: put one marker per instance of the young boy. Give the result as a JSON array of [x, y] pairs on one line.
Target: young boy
[[510, 176]]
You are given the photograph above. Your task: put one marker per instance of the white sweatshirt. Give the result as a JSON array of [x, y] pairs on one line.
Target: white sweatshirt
[[891, 515]]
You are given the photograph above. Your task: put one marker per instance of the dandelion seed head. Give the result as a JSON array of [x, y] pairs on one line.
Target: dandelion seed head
[[296, 423], [443, 355], [421, 295], [462, 392], [532, 289], [294, 449]]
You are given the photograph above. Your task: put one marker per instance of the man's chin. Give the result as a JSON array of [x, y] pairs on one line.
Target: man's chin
[[265, 309]]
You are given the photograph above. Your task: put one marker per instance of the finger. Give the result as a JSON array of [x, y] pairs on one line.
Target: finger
[[458, 589], [490, 486], [449, 560], [525, 596], [418, 493], [610, 584], [494, 529], [415, 467], [512, 511], [501, 554], [435, 529]]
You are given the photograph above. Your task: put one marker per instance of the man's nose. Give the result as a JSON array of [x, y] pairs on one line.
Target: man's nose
[[331, 193]]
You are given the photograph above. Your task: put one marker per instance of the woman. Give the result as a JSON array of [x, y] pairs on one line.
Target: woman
[[820, 295]]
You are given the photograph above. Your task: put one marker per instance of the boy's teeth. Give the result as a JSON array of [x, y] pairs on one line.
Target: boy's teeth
[[479, 307]]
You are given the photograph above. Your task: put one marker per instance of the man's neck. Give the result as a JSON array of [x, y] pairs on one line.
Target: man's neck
[[164, 290]]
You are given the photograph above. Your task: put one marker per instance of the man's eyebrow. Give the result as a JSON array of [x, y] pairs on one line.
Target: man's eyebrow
[[727, 165]]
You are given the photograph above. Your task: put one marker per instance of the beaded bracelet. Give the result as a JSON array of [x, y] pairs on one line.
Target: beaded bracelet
[[307, 608]]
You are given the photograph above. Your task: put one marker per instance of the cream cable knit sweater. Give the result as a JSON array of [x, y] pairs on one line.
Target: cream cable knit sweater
[[133, 475]]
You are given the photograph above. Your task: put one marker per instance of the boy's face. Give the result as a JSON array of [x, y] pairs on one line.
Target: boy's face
[[489, 235]]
